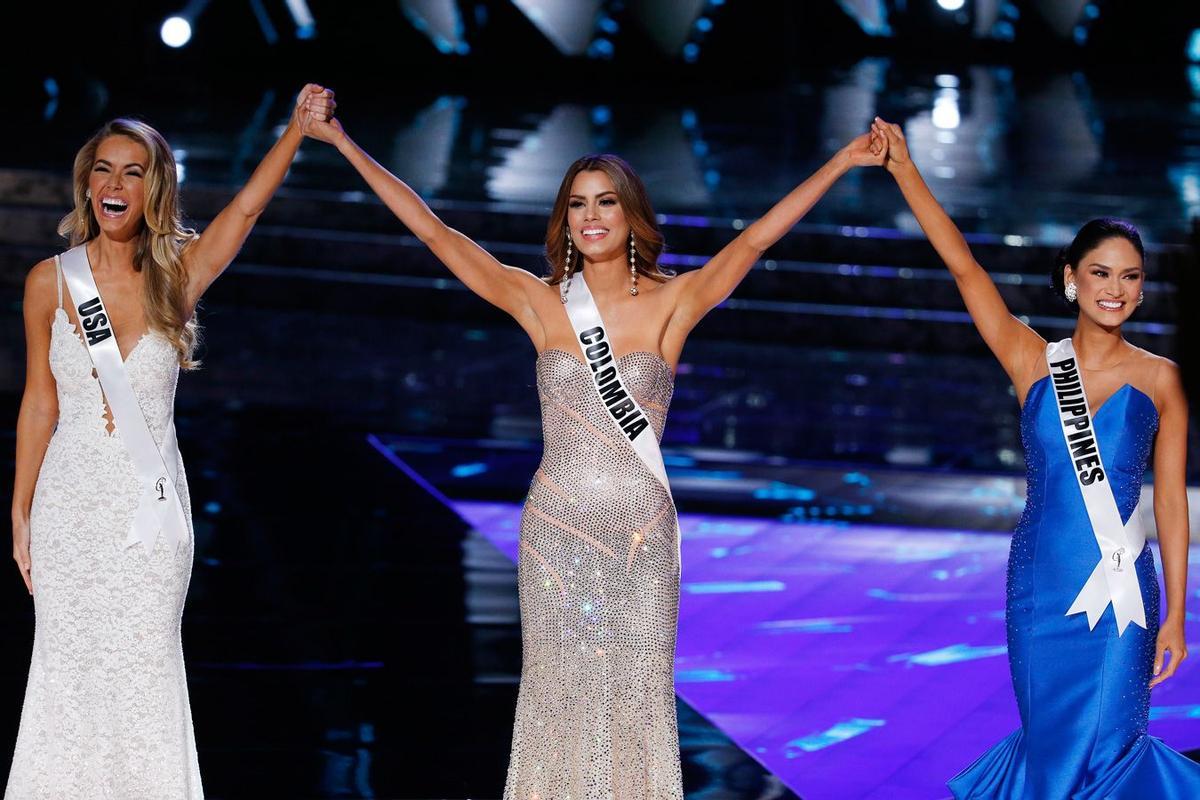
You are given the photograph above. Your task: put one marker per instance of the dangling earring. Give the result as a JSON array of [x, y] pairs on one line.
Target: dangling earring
[[1071, 292], [88, 194], [1141, 298], [564, 285], [632, 266]]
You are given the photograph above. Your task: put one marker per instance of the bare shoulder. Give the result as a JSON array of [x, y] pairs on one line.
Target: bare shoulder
[[1153, 361], [1167, 373], [40, 283], [676, 281], [1163, 377], [666, 292], [535, 287], [527, 279]]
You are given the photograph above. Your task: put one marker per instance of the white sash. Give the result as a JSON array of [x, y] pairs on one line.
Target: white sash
[[622, 407], [159, 506], [1114, 579]]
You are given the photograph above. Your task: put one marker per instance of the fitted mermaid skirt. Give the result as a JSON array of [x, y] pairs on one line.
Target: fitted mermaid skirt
[[598, 578], [106, 713], [1083, 694]]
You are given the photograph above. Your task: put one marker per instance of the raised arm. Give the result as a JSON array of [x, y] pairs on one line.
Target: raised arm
[[1171, 514], [210, 254], [39, 407], [505, 287], [1014, 343], [701, 290]]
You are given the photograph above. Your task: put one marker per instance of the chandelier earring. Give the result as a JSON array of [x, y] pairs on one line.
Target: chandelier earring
[[633, 275], [564, 286]]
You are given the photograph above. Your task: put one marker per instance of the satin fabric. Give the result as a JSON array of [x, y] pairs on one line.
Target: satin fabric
[[1083, 694]]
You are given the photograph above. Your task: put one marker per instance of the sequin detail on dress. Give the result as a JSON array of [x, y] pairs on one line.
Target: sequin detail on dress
[[106, 713], [599, 586]]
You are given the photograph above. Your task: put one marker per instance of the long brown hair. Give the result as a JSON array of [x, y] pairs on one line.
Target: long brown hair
[[161, 240], [631, 194]]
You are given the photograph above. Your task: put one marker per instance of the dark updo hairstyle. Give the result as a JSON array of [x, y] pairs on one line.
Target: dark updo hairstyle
[[1094, 233]]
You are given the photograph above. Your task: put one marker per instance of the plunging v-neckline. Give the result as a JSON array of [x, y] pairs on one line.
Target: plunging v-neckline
[[79, 336], [124, 357]]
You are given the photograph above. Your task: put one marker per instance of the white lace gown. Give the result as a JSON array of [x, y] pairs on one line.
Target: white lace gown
[[106, 710]]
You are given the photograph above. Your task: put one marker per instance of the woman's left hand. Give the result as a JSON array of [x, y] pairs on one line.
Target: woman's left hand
[[868, 150], [314, 103], [1170, 639]]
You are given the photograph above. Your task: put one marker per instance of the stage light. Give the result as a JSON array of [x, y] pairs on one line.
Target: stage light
[[1193, 48], [951, 5], [306, 25], [176, 31], [51, 87], [601, 48], [945, 113], [264, 21], [871, 15], [569, 24], [440, 20]]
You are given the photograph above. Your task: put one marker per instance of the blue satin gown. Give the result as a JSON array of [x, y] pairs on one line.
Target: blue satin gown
[[1083, 694]]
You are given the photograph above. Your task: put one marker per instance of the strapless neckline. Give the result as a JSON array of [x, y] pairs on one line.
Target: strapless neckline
[[650, 353], [1096, 411]]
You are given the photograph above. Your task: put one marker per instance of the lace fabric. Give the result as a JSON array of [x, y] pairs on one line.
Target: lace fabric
[[106, 711]]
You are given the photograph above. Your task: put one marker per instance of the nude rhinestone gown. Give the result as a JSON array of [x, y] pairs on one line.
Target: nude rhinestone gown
[[599, 587]]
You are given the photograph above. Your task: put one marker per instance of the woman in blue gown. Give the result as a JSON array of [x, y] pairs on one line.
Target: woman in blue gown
[[1082, 680]]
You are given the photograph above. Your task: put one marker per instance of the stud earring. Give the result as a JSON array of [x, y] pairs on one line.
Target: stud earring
[[88, 194], [633, 276], [1141, 298], [1071, 292], [564, 286]]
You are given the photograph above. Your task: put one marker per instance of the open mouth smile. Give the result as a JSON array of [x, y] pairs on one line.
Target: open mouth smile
[[112, 207]]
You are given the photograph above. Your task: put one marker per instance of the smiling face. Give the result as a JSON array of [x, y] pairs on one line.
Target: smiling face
[[117, 186], [1109, 279], [598, 226]]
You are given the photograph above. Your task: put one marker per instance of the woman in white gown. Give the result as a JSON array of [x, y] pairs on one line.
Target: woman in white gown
[[106, 710]]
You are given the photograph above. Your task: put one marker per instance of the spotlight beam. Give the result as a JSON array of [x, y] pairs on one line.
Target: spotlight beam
[[306, 24]]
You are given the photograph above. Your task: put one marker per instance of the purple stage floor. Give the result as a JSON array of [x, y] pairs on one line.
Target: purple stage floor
[[853, 661]]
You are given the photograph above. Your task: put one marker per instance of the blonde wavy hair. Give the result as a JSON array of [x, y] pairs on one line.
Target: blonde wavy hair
[[161, 240]]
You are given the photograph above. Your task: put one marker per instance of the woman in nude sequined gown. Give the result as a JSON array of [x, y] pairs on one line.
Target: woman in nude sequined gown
[[106, 711], [599, 555]]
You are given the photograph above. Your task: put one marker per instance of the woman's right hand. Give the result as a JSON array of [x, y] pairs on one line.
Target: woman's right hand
[[897, 148], [21, 553], [329, 131]]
